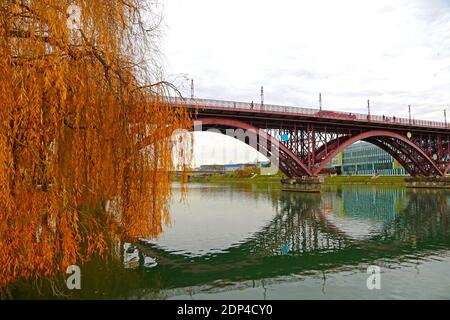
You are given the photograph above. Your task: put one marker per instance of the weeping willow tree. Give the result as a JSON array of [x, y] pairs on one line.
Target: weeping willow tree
[[79, 92]]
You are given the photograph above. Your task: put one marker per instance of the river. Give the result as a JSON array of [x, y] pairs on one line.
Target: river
[[258, 242]]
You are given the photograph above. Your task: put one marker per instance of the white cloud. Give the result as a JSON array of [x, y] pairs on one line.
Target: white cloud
[[394, 54]]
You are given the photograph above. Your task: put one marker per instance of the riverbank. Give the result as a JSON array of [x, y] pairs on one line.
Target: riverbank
[[230, 178], [368, 180], [328, 180]]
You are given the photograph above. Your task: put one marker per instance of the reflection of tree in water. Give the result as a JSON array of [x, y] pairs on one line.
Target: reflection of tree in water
[[425, 220], [101, 278], [414, 223], [235, 192], [378, 204]]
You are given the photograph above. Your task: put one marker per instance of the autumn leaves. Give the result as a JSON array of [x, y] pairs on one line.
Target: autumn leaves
[[73, 106]]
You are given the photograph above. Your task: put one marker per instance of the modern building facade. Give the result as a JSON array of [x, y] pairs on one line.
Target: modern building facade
[[366, 159]]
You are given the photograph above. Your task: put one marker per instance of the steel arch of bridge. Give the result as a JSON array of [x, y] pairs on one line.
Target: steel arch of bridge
[[288, 162], [310, 148]]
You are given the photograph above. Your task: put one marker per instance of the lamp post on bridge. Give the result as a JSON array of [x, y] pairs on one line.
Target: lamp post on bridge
[[445, 117], [189, 83], [262, 96], [368, 109], [409, 112], [320, 101]]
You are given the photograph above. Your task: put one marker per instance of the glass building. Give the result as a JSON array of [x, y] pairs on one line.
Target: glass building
[[363, 158]]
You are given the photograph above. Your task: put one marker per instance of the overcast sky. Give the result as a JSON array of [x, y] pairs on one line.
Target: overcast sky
[[394, 53]]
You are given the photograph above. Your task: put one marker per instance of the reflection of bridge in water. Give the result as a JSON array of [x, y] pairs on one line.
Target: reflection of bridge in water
[[307, 236]]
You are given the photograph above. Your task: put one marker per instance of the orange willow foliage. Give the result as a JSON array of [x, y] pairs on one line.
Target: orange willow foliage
[[74, 105]]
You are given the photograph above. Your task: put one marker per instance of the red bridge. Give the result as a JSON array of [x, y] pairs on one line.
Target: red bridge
[[307, 139]]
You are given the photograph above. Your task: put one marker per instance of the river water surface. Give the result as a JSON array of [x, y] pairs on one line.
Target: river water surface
[[257, 242]]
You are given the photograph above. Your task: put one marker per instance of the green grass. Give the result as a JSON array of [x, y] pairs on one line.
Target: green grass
[[231, 178], [395, 180]]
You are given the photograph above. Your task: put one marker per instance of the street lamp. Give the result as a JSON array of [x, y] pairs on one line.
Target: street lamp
[[409, 112], [262, 96], [320, 101], [189, 83]]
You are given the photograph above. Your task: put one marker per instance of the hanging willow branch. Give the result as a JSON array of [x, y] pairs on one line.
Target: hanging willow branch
[[74, 105]]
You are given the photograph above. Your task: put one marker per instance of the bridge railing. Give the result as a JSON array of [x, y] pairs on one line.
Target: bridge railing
[[220, 104]]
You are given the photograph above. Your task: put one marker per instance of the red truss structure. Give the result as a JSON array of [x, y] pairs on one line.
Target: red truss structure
[[306, 140]]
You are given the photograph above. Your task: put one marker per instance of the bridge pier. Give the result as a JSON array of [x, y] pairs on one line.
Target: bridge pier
[[302, 184]]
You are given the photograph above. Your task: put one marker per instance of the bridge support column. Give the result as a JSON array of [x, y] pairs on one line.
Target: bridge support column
[[303, 184]]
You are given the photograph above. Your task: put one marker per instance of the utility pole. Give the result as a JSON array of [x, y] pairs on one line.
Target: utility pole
[[368, 109], [192, 88], [262, 96], [409, 112], [320, 101]]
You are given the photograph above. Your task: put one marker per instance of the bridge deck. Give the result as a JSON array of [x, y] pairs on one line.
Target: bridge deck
[[276, 112]]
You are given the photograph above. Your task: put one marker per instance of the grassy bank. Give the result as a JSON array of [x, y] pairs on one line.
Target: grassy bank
[[230, 178], [390, 180], [338, 180]]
